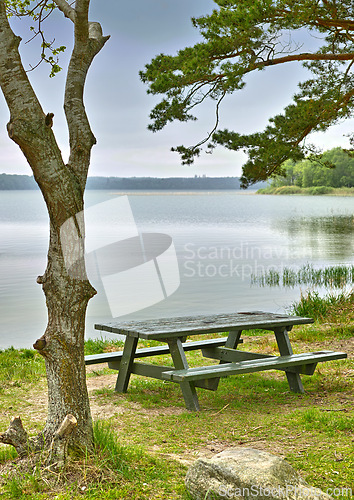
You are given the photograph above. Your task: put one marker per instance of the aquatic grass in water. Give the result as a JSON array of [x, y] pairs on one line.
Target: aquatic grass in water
[[329, 277]]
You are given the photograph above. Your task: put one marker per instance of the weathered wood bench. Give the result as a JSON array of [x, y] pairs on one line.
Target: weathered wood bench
[[114, 359], [304, 363], [174, 331], [146, 352]]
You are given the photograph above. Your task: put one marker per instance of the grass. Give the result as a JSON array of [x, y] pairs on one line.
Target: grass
[[146, 438], [333, 315], [327, 308], [20, 365], [98, 346], [113, 471]]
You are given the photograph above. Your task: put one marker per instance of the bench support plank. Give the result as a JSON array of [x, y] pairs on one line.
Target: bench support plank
[[233, 339], [145, 369], [156, 371]]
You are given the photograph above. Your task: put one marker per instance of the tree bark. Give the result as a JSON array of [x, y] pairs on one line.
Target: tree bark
[[62, 186], [62, 346]]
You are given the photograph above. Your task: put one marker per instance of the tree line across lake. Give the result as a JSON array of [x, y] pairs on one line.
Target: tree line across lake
[[335, 169], [12, 181]]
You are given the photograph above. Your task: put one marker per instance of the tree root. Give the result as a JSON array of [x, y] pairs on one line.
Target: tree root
[[54, 455]]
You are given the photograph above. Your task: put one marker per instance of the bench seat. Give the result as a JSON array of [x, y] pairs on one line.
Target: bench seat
[[253, 365], [153, 351]]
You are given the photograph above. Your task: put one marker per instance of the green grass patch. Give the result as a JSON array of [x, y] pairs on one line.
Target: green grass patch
[[20, 365], [338, 308], [113, 471], [7, 453], [328, 420], [98, 346], [143, 450]]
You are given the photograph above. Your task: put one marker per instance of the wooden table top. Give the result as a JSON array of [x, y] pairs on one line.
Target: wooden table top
[[164, 328]]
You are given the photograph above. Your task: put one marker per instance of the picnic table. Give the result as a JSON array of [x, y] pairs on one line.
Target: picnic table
[[231, 361]]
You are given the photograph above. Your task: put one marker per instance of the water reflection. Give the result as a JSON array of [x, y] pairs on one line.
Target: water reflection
[[330, 236], [221, 239]]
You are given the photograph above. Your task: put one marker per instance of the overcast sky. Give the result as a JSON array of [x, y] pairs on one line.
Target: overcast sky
[[118, 106]]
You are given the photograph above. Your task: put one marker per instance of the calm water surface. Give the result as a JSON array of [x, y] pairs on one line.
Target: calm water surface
[[221, 239]]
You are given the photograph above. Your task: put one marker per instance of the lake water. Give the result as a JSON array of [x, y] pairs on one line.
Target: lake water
[[220, 238]]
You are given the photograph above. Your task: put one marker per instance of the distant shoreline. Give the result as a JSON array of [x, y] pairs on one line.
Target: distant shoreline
[[10, 182], [177, 192]]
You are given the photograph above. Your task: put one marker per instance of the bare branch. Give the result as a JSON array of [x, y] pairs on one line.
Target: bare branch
[[216, 122], [27, 126], [189, 152], [14, 82]]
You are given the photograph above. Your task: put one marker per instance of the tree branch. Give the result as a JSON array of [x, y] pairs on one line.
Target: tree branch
[[17, 437], [28, 127], [306, 56], [88, 42], [66, 9], [336, 23], [27, 119], [17, 90]]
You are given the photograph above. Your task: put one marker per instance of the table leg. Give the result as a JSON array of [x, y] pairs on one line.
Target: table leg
[[180, 362], [285, 349], [233, 339], [126, 363]]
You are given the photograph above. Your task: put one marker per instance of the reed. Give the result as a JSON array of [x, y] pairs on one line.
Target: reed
[[329, 277]]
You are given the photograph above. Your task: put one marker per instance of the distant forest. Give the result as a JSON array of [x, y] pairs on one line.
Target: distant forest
[[12, 181], [335, 170]]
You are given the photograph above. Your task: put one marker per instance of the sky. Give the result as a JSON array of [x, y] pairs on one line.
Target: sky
[[118, 105]]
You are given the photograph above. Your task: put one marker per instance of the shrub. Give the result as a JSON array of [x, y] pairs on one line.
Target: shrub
[[318, 190], [288, 190]]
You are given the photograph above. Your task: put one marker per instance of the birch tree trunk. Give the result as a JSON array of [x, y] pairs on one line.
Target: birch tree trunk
[[62, 186]]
